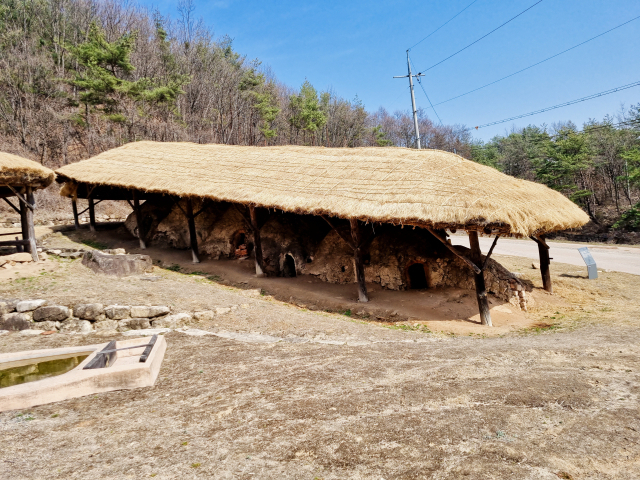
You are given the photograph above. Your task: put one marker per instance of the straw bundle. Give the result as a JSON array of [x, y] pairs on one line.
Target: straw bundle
[[393, 185], [18, 171]]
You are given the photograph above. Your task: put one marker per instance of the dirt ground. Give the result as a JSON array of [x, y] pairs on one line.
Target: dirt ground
[[363, 398]]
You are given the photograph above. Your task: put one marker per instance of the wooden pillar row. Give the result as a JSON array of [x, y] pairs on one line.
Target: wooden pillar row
[[257, 241], [359, 261], [136, 207], [193, 238], [481, 289]]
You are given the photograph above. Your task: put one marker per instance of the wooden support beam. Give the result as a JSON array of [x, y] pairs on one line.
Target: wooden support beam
[[348, 240], [471, 264], [481, 290], [136, 207], [74, 206], [14, 243], [11, 205], [92, 215], [545, 261], [193, 238], [25, 247], [257, 241], [359, 261], [20, 197], [31, 224], [486, 259]]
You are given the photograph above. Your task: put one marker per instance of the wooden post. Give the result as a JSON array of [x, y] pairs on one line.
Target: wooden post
[[481, 290], [193, 239], [23, 225], [357, 255], [92, 215], [545, 261], [74, 206], [31, 230], [136, 207], [257, 242]]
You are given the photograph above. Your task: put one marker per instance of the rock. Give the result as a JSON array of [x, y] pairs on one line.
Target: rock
[[54, 252], [146, 332], [22, 257], [72, 255], [8, 304], [203, 315], [254, 292], [133, 324], [29, 305], [4, 332], [75, 325], [118, 265], [30, 332], [222, 310], [54, 313], [15, 321], [47, 325], [90, 311], [117, 312], [149, 312], [115, 251], [5, 308], [172, 321], [106, 325]]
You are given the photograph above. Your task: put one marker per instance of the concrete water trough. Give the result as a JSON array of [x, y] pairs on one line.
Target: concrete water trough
[[37, 377]]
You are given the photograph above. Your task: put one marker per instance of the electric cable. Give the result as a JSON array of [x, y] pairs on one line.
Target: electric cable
[[484, 36], [425, 94], [474, 1], [565, 104], [536, 64]]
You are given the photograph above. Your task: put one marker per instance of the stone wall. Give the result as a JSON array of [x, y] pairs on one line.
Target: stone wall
[[318, 250], [41, 316]]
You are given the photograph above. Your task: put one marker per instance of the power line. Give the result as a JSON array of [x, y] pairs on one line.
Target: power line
[[571, 102], [484, 36], [425, 94], [474, 1], [536, 64]]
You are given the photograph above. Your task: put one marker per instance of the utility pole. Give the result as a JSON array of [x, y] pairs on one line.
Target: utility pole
[[413, 98]]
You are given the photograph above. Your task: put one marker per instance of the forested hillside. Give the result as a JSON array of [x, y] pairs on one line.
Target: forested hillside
[[78, 77]]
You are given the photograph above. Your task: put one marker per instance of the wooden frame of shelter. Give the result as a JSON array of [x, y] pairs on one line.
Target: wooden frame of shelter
[[429, 189], [19, 178]]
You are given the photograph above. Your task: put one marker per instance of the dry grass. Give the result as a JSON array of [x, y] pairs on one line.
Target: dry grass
[[397, 185], [15, 170]]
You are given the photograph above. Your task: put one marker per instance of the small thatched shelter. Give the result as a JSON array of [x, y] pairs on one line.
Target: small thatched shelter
[[19, 178], [430, 189]]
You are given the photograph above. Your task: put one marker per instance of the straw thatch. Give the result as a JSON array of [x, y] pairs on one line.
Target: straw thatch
[[18, 171], [397, 185]]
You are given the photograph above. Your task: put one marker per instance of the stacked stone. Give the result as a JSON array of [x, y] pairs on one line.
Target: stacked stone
[[88, 317]]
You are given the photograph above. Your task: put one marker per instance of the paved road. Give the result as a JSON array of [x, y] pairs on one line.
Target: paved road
[[608, 257]]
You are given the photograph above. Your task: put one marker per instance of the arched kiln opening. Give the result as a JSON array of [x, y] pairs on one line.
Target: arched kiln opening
[[241, 247], [289, 266], [417, 276]]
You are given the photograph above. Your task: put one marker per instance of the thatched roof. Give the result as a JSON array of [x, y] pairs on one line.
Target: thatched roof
[[397, 185], [18, 171]]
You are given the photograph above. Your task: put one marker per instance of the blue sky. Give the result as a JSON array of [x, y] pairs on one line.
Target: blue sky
[[356, 47]]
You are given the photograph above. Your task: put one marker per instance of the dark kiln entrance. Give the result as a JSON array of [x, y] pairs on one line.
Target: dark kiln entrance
[[289, 267], [417, 276]]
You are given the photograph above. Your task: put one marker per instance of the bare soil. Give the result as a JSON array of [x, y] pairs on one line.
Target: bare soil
[[398, 398]]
